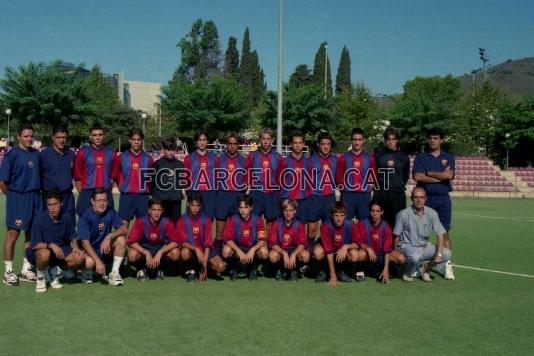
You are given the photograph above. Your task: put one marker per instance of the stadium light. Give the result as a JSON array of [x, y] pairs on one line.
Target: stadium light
[[8, 113], [280, 84], [143, 116], [325, 67], [507, 136]]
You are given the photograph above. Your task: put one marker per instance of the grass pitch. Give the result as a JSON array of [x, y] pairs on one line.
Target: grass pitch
[[479, 313]]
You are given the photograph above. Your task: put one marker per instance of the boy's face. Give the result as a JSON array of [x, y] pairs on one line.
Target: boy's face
[[297, 145], [325, 146], [202, 142], [266, 141], [376, 213], [194, 207], [155, 212], [59, 140], [357, 142], [231, 146], [96, 137], [136, 142], [54, 207], [244, 210], [100, 203], [338, 219], [289, 213], [26, 138], [392, 142], [169, 153], [434, 142]]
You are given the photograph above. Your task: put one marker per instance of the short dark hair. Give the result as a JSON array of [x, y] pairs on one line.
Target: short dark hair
[[245, 198], [199, 133], [323, 136], [154, 201], [357, 131], [338, 207], [296, 133], [194, 196], [169, 144], [136, 131], [376, 202], [24, 126], [97, 191], [53, 194], [435, 131], [96, 126], [233, 135], [390, 130], [59, 128]]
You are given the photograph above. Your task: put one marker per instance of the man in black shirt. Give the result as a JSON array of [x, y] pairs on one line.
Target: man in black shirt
[[393, 168]]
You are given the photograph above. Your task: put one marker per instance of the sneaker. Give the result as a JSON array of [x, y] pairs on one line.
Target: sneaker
[[55, 272], [360, 276], [27, 276], [278, 275], [294, 276], [40, 285], [449, 275], [86, 277], [115, 279], [141, 275], [321, 278], [342, 276], [190, 276], [233, 274], [11, 279], [407, 278], [304, 268], [253, 275], [425, 276]]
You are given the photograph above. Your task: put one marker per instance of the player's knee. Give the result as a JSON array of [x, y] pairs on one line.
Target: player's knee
[[120, 243], [274, 256], [318, 252], [42, 255], [353, 255], [304, 256], [400, 259], [89, 263], [217, 265], [133, 255], [227, 251], [186, 254], [263, 253], [174, 254]]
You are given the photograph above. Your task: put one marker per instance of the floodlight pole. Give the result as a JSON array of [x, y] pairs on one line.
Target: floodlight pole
[[143, 116], [8, 113], [325, 67], [280, 84]]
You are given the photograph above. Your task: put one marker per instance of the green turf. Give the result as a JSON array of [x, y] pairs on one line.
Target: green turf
[[478, 313]]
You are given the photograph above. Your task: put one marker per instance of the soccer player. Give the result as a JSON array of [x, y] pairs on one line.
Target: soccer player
[[356, 170], [166, 185], [287, 240], [53, 242], [57, 163], [201, 164], [393, 172], [376, 243], [245, 239], [433, 171], [131, 173], [19, 181], [262, 167], [322, 169], [152, 240], [195, 233], [413, 227], [231, 166], [100, 243], [93, 168], [338, 243]]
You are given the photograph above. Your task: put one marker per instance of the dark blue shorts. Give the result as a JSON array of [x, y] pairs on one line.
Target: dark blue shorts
[[133, 205], [266, 204], [153, 248], [357, 204], [21, 208], [84, 201], [54, 261], [209, 202], [443, 205], [319, 207], [226, 204]]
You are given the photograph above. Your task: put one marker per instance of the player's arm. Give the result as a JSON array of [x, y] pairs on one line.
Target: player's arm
[[89, 250], [78, 170], [447, 174], [234, 247], [4, 187], [384, 276], [332, 282], [422, 177]]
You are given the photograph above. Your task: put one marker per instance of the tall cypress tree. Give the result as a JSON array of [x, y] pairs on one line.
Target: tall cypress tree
[[319, 67], [250, 74], [231, 60], [343, 82]]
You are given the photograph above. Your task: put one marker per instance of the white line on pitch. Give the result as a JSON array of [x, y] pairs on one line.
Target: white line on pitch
[[529, 219], [494, 271]]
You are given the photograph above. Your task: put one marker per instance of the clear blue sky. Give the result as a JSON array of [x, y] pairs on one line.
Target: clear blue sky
[[389, 41]]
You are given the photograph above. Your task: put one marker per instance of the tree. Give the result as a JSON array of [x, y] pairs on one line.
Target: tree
[[200, 52], [343, 81], [301, 77], [251, 75], [231, 60], [319, 69]]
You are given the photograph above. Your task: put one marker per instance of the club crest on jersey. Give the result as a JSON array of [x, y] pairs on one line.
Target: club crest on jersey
[[326, 167], [30, 164], [375, 237], [99, 160], [203, 165], [287, 238], [196, 230], [444, 162], [356, 164], [135, 166], [246, 233], [18, 222], [391, 163], [266, 164], [153, 236], [101, 227], [338, 238]]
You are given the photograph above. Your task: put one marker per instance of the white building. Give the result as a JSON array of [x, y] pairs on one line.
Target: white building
[[144, 96]]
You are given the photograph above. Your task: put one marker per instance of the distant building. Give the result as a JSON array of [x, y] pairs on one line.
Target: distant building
[[144, 96]]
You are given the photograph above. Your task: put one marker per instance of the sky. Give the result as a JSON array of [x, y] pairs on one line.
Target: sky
[[389, 42]]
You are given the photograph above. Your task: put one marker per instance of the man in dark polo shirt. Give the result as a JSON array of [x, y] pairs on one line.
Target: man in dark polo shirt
[[433, 171]]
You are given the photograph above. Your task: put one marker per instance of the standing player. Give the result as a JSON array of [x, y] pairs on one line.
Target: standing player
[[433, 171], [100, 243], [53, 242], [152, 240], [287, 240], [195, 233], [131, 173], [356, 170], [376, 243], [393, 172], [338, 242], [57, 163], [201, 164], [262, 166], [245, 239], [93, 168], [166, 185], [19, 180], [232, 166], [322, 169]]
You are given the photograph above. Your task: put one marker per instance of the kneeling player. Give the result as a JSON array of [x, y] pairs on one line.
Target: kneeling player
[[287, 239], [244, 237], [53, 243], [100, 243], [194, 230], [338, 237], [152, 240], [375, 240]]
